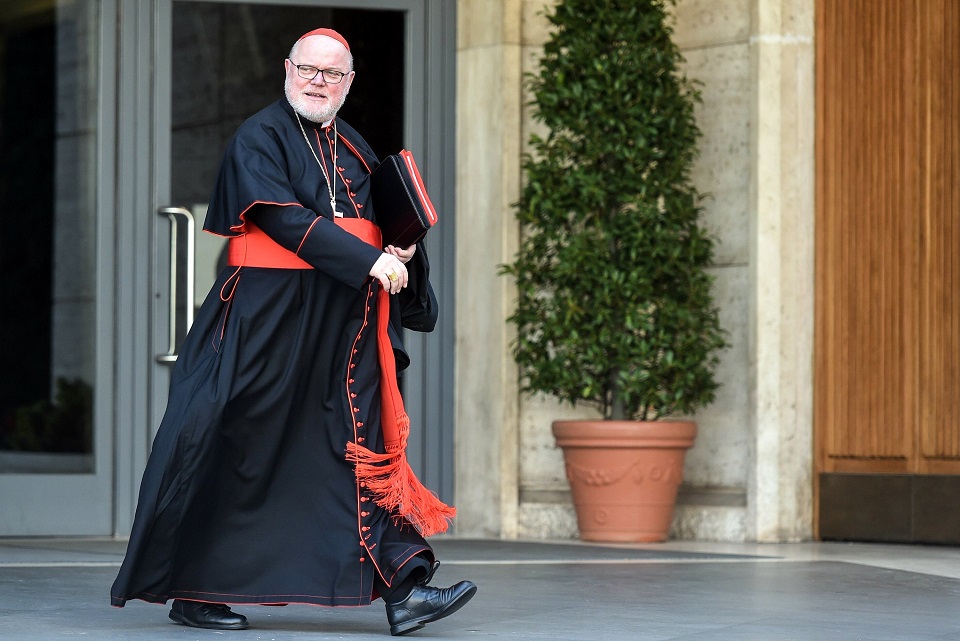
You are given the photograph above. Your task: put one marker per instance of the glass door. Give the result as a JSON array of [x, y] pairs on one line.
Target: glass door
[[56, 457]]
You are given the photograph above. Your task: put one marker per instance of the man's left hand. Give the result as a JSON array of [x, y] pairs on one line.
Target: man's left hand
[[403, 254]]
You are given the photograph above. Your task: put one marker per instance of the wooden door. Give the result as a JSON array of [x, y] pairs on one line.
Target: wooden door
[[887, 347]]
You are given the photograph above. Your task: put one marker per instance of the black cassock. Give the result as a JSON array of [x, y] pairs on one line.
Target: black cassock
[[247, 496]]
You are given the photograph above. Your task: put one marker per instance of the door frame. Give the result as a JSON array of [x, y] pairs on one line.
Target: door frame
[[142, 238]]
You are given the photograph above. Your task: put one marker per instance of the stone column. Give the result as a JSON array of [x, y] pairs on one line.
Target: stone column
[[779, 500], [489, 104]]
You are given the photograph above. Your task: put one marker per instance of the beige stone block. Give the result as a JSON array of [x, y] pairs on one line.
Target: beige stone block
[[695, 523], [799, 18], [528, 125], [723, 170], [478, 158], [513, 21], [530, 59], [721, 452], [536, 27], [488, 90], [541, 461], [542, 521], [484, 23], [707, 23], [787, 19]]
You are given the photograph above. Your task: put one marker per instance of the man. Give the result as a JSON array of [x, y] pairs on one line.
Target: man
[[278, 473]]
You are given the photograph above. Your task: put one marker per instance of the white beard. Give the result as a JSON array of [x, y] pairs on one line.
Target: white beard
[[311, 113]]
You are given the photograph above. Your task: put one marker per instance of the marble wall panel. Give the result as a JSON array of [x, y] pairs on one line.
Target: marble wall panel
[[485, 23], [547, 521], [541, 461], [722, 172], [780, 486], [699, 523], [721, 451], [488, 179], [707, 23], [783, 18], [536, 29]]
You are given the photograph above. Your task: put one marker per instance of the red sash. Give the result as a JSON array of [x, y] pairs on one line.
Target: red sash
[[255, 249]]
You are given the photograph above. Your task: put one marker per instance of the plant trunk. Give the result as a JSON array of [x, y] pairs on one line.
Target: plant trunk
[[617, 409]]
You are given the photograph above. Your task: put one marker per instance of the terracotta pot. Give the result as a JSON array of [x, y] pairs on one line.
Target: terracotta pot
[[624, 475]]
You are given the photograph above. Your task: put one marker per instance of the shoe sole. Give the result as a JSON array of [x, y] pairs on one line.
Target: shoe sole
[[178, 618], [416, 624]]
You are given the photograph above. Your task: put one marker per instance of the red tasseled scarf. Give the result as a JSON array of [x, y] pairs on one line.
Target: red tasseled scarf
[[388, 476]]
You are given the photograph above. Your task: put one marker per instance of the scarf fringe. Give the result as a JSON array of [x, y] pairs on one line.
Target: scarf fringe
[[397, 489]]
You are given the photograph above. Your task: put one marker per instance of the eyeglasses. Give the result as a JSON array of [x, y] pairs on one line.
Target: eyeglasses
[[310, 72]]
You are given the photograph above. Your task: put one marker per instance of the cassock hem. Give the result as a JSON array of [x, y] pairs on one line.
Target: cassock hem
[[241, 599]]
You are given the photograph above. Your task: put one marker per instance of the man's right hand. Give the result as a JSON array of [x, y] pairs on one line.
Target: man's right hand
[[391, 273]]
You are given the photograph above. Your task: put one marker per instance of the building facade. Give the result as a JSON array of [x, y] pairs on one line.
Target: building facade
[[131, 103], [750, 474]]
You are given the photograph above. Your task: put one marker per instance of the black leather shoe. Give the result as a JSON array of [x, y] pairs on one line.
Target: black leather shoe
[[212, 616], [425, 604]]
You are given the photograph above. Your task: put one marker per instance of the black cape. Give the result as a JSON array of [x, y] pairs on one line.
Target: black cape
[[247, 496]]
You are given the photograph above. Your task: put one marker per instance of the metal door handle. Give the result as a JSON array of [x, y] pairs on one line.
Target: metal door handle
[[174, 214]]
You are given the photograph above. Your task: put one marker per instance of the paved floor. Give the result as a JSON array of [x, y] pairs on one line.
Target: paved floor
[[677, 591]]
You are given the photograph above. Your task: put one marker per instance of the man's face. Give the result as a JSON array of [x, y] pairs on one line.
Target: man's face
[[317, 100]]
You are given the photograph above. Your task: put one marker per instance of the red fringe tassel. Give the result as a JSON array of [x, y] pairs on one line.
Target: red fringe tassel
[[397, 489]]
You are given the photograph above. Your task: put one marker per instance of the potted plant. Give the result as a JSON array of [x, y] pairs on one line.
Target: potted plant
[[614, 298]]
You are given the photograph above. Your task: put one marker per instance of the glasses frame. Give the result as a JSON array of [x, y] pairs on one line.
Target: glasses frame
[[339, 75]]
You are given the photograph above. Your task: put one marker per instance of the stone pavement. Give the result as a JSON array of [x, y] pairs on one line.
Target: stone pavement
[[557, 591]]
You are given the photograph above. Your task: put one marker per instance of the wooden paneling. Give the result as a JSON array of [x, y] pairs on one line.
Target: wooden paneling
[[887, 346]]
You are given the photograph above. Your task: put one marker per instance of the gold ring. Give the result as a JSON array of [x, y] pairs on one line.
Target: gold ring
[[393, 276]]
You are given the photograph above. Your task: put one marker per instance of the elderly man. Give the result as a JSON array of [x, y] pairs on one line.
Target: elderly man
[[278, 473]]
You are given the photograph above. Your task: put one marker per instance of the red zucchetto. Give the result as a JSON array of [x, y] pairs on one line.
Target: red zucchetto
[[330, 33]]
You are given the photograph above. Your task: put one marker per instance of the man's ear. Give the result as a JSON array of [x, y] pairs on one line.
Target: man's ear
[[349, 80]]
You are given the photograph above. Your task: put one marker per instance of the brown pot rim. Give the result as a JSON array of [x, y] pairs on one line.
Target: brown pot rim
[[597, 433]]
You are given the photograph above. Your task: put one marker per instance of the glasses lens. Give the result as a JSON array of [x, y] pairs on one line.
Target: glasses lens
[[306, 71], [332, 76]]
